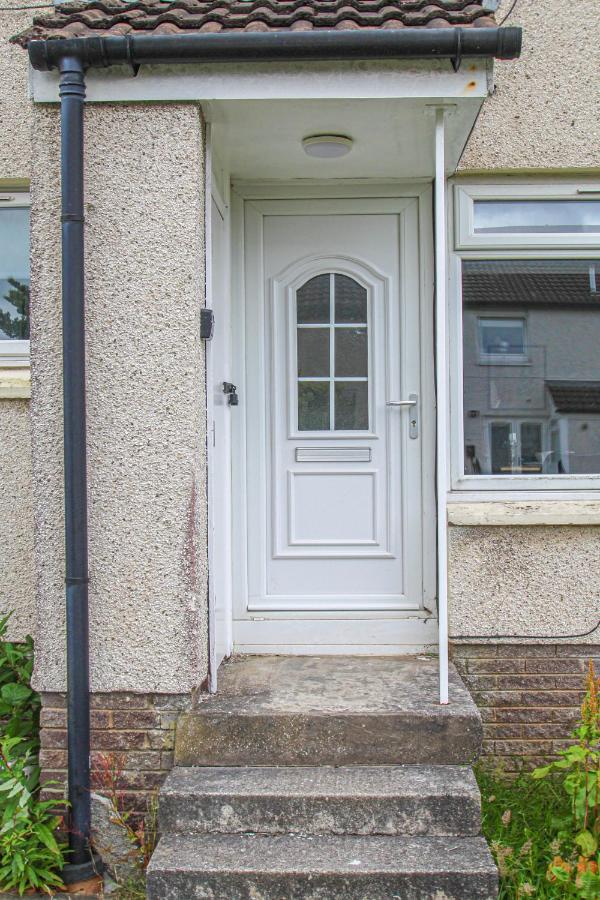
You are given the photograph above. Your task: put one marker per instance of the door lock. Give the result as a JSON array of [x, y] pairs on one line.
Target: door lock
[[413, 404], [231, 391]]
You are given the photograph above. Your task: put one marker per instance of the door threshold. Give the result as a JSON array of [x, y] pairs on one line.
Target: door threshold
[[389, 636]]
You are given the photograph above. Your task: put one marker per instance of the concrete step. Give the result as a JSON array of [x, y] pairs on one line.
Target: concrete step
[[323, 867], [409, 800], [330, 711]]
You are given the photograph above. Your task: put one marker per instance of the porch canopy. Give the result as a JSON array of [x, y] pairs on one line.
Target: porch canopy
[[269, 73]]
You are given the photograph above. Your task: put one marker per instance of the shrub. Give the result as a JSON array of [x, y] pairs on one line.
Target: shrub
[[30, 855], [19, 704]]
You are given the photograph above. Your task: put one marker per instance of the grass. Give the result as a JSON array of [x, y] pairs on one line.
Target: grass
[[521, 820]]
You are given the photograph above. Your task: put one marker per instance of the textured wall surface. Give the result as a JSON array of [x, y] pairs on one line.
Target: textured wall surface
[[545, 112], [145, 383], [540, 580], [15, 107], [16, 520], [17, 590]]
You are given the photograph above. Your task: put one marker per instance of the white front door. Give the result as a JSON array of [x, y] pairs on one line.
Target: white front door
[[331, 412]]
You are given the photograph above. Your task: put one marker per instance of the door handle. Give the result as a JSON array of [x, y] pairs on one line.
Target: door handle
[[413, 401]]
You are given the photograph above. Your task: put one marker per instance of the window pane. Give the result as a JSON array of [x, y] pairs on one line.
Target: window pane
[[313, 406], [537, 216], [312, 300], [350, 300], [14, 274], [351, 352], [531, 333], [313, 352], [351, 406]]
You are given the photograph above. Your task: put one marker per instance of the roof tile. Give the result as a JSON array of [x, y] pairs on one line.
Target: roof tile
[[106, 17]]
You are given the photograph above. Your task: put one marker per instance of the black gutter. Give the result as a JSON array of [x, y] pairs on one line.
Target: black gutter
[[72, 57], [283, 46]]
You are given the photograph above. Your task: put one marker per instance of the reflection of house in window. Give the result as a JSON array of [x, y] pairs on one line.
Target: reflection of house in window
[[531, 365], [575, 417]]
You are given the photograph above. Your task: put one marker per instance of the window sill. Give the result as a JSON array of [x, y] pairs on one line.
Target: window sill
[[524, 512], [15, 384]]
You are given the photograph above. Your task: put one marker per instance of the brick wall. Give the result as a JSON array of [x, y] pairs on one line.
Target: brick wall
[[138, 729], [529, 696]]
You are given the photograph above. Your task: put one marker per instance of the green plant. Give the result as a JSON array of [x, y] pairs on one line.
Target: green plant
[[578, 768], [19, 704], [30, 855]]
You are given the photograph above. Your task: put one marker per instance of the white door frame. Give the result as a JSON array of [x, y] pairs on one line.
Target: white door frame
[[218, 465], [419, 628]]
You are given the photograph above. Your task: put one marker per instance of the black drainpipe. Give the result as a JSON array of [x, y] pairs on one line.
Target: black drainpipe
[[72, 96], [72, 57]]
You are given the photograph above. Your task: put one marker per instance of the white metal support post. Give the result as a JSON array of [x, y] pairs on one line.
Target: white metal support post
[[441, 375]]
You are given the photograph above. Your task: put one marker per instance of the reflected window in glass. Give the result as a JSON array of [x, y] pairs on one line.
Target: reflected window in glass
[[14, 274]]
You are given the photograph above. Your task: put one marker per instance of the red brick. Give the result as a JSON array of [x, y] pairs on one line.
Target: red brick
[[526, 682], [503, 732], [53, 738], [550, 698], [496, 666], [55, 701], [526, 651], [135, 719], [53, 718], [53, 759], [119, 740], [560, 665], [524, 748], [498, 698]]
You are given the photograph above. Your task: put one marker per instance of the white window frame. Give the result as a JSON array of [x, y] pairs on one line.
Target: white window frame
[[465, 246], [464, 215], [14, 354]]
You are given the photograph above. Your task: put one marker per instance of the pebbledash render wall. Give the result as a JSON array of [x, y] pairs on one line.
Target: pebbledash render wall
[[145, 398], [17, 581]]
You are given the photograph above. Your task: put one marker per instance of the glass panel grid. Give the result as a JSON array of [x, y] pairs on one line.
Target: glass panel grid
[[342, 408]]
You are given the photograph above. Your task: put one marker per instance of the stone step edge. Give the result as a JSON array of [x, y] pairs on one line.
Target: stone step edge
[[309, 856]]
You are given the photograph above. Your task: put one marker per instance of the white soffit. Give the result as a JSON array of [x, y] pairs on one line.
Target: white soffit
[[391, 138]]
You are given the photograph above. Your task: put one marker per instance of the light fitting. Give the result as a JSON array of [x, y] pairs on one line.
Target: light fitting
[[327, 146]]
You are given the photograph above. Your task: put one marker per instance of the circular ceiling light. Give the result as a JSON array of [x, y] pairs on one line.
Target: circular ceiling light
[[327, 146]]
